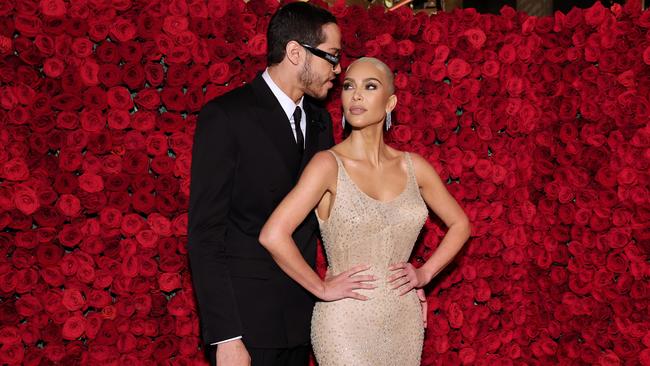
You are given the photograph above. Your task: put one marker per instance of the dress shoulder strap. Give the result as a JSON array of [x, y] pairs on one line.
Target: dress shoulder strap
[[338, 160], [409, 167]]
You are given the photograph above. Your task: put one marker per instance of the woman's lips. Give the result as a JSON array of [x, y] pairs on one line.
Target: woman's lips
[[357, 110]]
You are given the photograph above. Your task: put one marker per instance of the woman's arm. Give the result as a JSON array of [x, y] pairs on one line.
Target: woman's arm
[[445, 206], [318, 178]]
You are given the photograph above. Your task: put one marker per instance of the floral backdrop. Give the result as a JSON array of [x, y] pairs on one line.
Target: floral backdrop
[[539, 126]]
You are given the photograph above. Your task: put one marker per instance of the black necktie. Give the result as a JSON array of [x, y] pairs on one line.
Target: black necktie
[[300, 138]]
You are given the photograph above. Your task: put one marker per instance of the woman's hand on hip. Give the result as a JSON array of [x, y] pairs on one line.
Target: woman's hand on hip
[[344, 284]]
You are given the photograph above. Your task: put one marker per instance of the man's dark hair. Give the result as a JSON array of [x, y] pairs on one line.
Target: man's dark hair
[[299, 21]]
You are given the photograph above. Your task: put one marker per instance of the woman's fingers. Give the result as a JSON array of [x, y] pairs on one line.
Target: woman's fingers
[[397, 266], [406, 289], [403, 281], [354, 295], [365, 286], [364, 278], [354, 270], [397, 275]]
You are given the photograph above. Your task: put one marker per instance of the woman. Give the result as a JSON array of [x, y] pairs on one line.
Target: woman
[[371, 201]]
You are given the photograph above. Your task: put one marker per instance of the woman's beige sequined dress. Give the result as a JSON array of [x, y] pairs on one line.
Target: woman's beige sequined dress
[[387, 329]]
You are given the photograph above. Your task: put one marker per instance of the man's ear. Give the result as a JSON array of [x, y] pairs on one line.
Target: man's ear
[[294, 52]]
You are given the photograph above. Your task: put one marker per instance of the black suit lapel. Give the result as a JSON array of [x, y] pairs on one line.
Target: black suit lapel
[[276, 125], [315, 126]]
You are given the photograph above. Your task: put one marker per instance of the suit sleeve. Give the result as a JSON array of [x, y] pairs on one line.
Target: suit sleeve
[[214, 157]]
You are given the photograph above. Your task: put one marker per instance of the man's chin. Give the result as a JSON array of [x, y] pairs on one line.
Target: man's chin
[[318, 94]]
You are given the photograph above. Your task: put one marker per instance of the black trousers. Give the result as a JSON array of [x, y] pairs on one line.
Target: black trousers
[[295, 356]]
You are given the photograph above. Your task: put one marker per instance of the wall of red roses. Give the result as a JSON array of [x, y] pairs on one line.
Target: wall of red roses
[[539, 125]]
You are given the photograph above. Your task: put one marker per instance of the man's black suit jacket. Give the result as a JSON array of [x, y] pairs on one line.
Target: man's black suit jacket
[[244, 161]]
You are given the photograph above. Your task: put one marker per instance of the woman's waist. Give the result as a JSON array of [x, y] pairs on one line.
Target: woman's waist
[[384, 293]]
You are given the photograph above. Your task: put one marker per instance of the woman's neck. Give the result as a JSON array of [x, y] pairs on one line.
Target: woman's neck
[[368, 144]]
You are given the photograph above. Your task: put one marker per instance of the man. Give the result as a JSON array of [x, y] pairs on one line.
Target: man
[[250, 146]]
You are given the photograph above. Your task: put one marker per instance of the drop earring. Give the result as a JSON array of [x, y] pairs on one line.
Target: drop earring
[[388, 121], [343, 122]]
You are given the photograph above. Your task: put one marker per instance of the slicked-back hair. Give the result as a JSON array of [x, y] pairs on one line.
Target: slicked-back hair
[[300, 22]]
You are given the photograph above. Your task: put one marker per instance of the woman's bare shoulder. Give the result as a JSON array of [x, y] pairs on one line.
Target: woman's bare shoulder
[[323, 161]]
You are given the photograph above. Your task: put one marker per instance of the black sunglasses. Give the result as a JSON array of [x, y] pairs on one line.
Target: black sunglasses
[[332, 59]]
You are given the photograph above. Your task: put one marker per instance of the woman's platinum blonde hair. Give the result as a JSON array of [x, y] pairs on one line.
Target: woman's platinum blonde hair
[[390, 78]]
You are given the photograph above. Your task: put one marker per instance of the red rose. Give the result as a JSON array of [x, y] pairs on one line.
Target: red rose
[[91, 182], [154, 74], [617, 262], [25, 199], [173, 99], [15, 169], [131, 52], [197, 9], [133, 75], [490, 68], [118, 119], [110, 217], [82, 47], [596, 14], [69, 205], [53, 67], [52, 276], [405, 47], [507, 54], [175, 24], [12, 354], [28, 305], [74, 327], [483, 168], [89, 71], [143, 201], [147, 98], [476, 37], [126, 343], [9, 335], [178, 55], [8, 281], [455, 315], [26, 280], [180, 142], [135, 163], [119, 97], [49, 254], [169, 282], [147, 238], [123, 30], [219, 73], [170, 122], [188, 345], [458, 69], [147, 267], [194, 99], [515, 86], [131, 224], [401, 133], [110, 75], [6, 45], [467, 356], [53, 8]]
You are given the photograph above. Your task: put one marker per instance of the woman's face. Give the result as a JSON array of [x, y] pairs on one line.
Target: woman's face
[[366, 96]]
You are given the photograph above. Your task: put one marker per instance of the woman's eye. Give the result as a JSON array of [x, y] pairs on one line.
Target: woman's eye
[[347, 86], [371, 86]]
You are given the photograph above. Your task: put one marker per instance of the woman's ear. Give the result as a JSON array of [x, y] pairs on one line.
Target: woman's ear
[[391, 103]]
